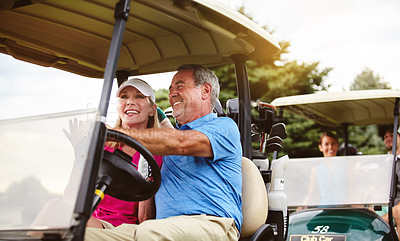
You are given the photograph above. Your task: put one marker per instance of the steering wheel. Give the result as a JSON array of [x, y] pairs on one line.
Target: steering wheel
[[120, 175]]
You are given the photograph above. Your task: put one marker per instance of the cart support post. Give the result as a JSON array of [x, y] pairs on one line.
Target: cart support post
[[394, 179], [346, 138], [243, 89], [121, 16], [87, 188]]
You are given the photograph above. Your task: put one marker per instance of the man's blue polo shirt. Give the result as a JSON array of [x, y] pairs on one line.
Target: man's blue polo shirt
[[198, 185]]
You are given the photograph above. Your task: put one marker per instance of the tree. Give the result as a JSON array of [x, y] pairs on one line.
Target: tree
[[276, 77], [270, 82], [162, 98], [366, 138], [28, 194], [367, 80]]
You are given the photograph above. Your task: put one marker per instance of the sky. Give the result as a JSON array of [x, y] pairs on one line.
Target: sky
[[346, 35]]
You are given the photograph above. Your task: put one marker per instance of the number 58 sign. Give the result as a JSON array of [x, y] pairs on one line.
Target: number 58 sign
[[320, 229]]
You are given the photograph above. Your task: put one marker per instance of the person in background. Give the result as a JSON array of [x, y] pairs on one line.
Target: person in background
[[200, 193], [351, 150], [328, 144], [136, 110], [388, 140]]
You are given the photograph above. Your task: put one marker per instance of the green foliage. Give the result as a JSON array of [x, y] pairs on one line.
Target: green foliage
[[162, 98], [270, 82], [163, 102], [366, 139], [367, 80], [303, 136], [227, 81]]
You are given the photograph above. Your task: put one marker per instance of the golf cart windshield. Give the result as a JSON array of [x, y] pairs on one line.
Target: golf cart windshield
[[42, 160], [338, 181]]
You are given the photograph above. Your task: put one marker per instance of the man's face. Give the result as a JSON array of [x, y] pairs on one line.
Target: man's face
[[184, 97], [388, 138]]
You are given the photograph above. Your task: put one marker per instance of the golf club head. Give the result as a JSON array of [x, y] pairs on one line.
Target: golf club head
[[255, 129], [255, 137], [274, 139], [267, 114], [273, 147], [255, 133], [279, 129]]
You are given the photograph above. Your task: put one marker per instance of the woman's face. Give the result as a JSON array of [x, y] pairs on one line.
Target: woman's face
[[329, 146], [134, 108]]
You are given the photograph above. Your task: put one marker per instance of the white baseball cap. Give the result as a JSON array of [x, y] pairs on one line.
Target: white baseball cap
[[140, 85]]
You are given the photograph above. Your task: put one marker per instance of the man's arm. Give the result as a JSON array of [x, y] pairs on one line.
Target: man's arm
[[164, 142]]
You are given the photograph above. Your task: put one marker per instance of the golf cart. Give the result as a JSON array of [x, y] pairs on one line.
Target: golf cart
[[49, 189], [335, 198]]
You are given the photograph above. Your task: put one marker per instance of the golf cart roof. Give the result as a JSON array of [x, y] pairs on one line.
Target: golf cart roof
[[160, 35], [360, 107]]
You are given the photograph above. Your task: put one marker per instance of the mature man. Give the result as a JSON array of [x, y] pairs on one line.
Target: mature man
[[200, 193]]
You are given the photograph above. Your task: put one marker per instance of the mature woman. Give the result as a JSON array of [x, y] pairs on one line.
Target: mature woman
[[136, 110]]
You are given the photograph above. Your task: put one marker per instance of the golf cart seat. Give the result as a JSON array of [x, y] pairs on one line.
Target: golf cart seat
[[254, 204], [218, 108]]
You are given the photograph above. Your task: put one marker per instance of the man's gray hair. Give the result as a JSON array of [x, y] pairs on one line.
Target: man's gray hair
[[202, 75]]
